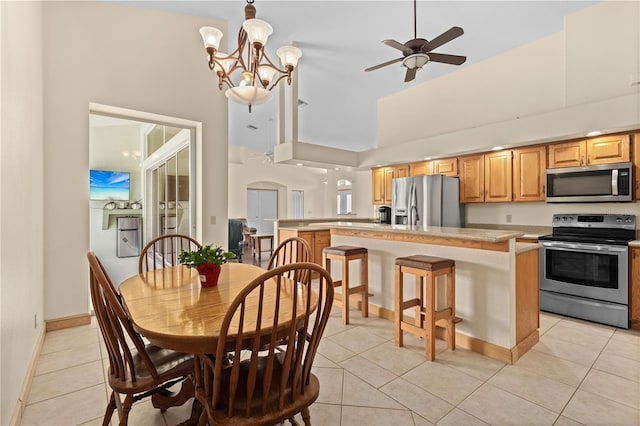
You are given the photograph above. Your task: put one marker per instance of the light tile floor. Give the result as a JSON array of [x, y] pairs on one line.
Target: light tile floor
[[579, 373]]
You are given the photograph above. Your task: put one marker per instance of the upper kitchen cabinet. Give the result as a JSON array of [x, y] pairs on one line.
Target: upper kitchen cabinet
[[529, 165], [401, 171], [445, 166], [636, 163], [381, 184], [498, 177], [486, 178], [601, 150], [421, 169], [472, 179]]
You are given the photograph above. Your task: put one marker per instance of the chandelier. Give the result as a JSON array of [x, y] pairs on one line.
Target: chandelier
[[258, 74]]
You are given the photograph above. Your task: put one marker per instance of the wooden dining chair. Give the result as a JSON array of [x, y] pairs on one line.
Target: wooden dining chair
[[163, 251], [136, 370], [289, 251], [248, 381]]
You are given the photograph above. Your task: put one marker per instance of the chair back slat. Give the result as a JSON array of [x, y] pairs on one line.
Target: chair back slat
[[163, 251], [115, 326], [278, 337], [290, 251]]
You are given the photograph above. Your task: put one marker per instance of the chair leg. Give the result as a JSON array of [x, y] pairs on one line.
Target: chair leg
[[111, 406], [126, 408], [306, 416]]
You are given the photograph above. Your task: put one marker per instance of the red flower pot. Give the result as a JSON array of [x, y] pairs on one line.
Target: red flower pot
[[209, 274]]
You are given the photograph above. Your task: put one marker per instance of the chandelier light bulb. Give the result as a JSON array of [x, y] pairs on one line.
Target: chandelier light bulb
[[257, 30], [211, 37], [289, 55]]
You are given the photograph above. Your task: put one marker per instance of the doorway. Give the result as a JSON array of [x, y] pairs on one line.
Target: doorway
[[262, 209]]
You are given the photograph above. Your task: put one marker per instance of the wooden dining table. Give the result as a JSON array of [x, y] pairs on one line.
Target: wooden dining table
[[170, 307]]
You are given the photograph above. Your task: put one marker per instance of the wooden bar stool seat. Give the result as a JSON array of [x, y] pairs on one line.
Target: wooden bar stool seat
[[345, 254], [426, 269]]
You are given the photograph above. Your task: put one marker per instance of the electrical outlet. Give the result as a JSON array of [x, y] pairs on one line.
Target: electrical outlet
[[212, 220], [508, 218]]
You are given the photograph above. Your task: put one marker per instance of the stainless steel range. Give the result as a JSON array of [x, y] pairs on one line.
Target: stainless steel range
[[584, 267]]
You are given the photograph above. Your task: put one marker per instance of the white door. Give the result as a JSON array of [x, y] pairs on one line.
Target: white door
[[262, 209]]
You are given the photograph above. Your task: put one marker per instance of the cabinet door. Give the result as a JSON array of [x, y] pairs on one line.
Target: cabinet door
[[388, 176], [636, 163], [529, 166], [472, 179], [322, 240], [498, 177], [377, 185], [608, 149], [570, 154], [420, 169], [401, 171], [446, 166], [634, 287]]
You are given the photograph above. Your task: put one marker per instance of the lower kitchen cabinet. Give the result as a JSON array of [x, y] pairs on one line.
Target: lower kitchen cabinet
[[317, 240], [634, 287]]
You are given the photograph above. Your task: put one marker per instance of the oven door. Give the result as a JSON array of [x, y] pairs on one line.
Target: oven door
[[595, 271]]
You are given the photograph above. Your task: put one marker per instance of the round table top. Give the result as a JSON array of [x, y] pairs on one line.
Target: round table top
[[170, 308]]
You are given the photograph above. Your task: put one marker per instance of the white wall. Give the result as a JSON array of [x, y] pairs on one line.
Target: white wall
[[248, 170], [149, 61], [21, 191]]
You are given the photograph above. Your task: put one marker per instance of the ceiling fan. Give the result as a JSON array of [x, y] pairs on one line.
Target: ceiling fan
[[418, 52]]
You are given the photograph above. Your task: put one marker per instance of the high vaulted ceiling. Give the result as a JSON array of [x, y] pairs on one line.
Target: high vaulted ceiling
[[339, 39]]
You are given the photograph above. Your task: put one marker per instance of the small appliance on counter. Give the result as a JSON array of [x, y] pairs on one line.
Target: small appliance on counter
[[384, 212]]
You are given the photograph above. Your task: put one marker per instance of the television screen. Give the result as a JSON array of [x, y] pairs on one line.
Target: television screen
[[109, 185]]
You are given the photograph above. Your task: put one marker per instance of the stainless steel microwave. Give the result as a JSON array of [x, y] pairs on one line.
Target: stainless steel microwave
[[602, 183]]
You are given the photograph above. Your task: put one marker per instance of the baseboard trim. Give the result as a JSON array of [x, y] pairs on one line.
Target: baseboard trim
[[16, 418], [508, 356], [68, 322]]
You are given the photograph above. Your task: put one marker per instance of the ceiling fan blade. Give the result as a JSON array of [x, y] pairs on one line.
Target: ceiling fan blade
[[398, 45], [447, 59], [384, 64], [445, 37], [411, 74]]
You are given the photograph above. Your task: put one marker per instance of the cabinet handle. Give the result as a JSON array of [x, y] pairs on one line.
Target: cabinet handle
[[588, 159], [543, 189]]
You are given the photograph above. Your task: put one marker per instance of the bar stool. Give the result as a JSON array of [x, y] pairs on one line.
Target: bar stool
[[345, 254], [426, 269]]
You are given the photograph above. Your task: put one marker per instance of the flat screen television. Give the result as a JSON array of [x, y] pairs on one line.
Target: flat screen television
[[109, 185]]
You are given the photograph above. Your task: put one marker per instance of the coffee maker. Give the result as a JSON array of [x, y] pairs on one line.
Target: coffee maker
[[385, 214]]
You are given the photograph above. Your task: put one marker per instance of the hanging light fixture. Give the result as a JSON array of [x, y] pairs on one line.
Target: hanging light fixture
[[257, 72]]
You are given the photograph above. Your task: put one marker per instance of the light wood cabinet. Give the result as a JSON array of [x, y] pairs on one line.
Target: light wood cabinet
[[420, 169], [445, 166], [529, 173], [381, 184], [636, 163], [472, 179], [600, 150], [401, 171], [634, 287], [498, 177], [527, 292], [317, 241]]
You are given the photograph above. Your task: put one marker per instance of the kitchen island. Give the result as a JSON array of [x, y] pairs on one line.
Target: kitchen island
[[496, 279]]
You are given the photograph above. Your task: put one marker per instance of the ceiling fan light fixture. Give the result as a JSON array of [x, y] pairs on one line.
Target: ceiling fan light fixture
[[416, 61]]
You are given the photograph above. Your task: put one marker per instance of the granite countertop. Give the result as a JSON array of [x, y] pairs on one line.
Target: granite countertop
[[530, 231], [473, 234]]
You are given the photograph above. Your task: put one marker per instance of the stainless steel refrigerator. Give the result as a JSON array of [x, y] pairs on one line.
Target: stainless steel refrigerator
[[427, 201]]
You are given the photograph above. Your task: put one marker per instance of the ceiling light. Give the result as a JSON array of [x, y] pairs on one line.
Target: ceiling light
[[497, 148], [257, 72], [427, 158], [416, 61], [594, 133], [298, 164]]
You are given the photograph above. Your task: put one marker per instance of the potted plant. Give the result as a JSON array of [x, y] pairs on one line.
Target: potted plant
[[207, 260]]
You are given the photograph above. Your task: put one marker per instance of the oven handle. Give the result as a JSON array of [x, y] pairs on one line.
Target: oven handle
[[594, 248]]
